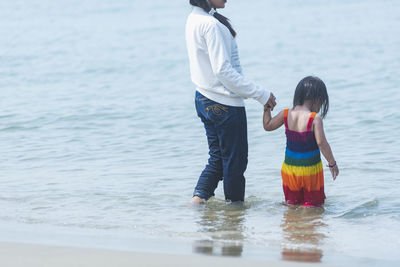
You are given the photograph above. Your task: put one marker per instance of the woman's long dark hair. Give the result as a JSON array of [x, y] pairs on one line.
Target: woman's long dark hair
[[205, 6], [313, 89]]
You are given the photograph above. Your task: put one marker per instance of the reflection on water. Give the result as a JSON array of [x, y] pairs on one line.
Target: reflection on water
[[223, 224], [302, 229]]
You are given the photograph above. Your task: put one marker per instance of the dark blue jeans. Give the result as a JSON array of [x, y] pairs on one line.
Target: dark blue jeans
[[226, 130]]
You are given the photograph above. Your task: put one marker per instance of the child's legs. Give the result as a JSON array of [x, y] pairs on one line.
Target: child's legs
[[314, 198], [293, 197], [234, 150], [314, 194], [292, 187]]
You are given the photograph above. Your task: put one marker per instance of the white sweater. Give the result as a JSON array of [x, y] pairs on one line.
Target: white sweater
[[214, 62]]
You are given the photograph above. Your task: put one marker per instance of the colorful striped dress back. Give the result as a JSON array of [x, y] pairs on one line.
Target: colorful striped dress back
[[302, 172]]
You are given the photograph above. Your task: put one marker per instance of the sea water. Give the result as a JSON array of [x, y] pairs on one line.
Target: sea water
[[101, 146]]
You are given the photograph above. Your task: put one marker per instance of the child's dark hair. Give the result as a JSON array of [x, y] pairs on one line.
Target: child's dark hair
[[313, 89], [206, 7]]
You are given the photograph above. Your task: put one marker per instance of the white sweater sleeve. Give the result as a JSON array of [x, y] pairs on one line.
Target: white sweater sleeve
[[219, 50]]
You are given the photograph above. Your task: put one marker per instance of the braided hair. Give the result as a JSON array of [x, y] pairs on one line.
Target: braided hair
[[204, 4]]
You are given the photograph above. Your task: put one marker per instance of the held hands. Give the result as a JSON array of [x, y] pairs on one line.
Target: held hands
[[271, 103], [334, 170]]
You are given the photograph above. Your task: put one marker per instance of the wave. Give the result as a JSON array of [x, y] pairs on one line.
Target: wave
[[363, 209]]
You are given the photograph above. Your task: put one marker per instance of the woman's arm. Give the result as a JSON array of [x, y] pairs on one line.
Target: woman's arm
[[274, 123], [324, 146], [219, 45]]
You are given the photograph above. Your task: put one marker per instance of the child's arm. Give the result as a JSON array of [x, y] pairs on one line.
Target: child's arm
[[324, 146], [274, 123]]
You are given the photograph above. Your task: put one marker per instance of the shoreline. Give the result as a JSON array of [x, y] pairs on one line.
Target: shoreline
[[27, 245], [23, 254], [23, 245]]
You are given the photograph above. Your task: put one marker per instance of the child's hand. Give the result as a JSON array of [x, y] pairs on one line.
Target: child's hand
[[271, 103], [334, 170]]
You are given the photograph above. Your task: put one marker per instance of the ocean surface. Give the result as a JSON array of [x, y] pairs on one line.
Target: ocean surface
[[101, 146]]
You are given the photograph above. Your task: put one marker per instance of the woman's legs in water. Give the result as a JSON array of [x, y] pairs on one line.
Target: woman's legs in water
[[234, 151], [212, 173], [226, 130]]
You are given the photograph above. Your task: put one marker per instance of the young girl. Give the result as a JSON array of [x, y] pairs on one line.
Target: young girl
[[302, 173]]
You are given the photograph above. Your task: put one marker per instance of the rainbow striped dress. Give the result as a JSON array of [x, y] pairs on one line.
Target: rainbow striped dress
[[302, 172]]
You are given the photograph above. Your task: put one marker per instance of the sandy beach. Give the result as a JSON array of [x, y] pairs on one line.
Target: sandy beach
[[32, 255]]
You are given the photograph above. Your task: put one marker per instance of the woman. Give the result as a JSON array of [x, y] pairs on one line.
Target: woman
[[220, 90]]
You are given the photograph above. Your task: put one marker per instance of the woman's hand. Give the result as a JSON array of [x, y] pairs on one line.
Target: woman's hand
[[271, 103]]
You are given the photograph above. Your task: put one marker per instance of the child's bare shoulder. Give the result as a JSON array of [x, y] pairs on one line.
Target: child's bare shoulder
[[317, 120], [318, 117], [299, 114]]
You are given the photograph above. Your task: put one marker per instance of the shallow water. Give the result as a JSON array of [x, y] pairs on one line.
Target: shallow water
[[98, 130]]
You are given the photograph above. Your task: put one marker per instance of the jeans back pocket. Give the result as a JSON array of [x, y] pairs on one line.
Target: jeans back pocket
[[216, 112]]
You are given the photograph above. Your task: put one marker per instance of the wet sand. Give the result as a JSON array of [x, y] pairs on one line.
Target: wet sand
[[32, 255]]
